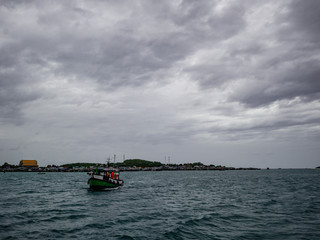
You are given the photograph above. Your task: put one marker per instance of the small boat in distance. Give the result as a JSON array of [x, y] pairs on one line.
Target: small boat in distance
[[103, 179]]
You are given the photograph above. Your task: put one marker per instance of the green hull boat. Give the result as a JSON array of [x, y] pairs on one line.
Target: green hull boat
[[102, 180]]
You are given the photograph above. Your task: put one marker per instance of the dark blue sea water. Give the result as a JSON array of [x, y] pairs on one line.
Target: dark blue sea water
[[274, 204]]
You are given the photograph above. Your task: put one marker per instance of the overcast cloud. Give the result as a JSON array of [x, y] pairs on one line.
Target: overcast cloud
[[235, 83]]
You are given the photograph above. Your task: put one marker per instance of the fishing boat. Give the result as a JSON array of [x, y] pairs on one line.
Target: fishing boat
[[104, 179]]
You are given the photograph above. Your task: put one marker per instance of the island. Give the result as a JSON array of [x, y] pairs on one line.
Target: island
[[127, 165]]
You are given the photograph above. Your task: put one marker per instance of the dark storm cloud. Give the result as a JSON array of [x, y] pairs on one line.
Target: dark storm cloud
[[121, 55], [300, 80], [16, 84], [304, 19], [147, 40], [287, 127], [277, 124], [303, 30], [285, 71], [292, 70], [203, 29], [114, 56], [204, 26], [25, 50]]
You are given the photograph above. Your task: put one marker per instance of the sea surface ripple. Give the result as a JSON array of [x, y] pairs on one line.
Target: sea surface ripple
[[274, 204]]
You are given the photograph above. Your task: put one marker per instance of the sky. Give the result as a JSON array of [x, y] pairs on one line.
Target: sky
[[225, 82]]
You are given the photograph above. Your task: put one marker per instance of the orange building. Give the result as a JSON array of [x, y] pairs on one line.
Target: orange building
[[28, 163]]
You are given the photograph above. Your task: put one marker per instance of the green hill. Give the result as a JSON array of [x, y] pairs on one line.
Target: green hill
[[139, 163]]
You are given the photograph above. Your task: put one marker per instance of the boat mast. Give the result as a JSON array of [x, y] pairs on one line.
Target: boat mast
[[108, 163]]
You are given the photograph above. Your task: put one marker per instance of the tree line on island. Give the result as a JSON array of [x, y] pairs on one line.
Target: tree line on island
[[140, 164], [126, 163]]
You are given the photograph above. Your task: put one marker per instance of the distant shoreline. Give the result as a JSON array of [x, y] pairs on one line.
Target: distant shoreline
[[129, 165], [170, 170]]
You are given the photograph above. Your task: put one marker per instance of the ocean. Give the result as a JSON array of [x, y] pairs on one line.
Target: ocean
[[260, 204]]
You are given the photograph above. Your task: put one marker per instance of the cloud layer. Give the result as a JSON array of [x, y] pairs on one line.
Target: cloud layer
[[214, 80]]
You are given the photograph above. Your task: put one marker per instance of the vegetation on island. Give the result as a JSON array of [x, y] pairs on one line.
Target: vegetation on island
[[140, 163], [86, 165], [126, 163]]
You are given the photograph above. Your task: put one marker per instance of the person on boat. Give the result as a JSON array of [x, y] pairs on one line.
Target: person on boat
[[105, 176]]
